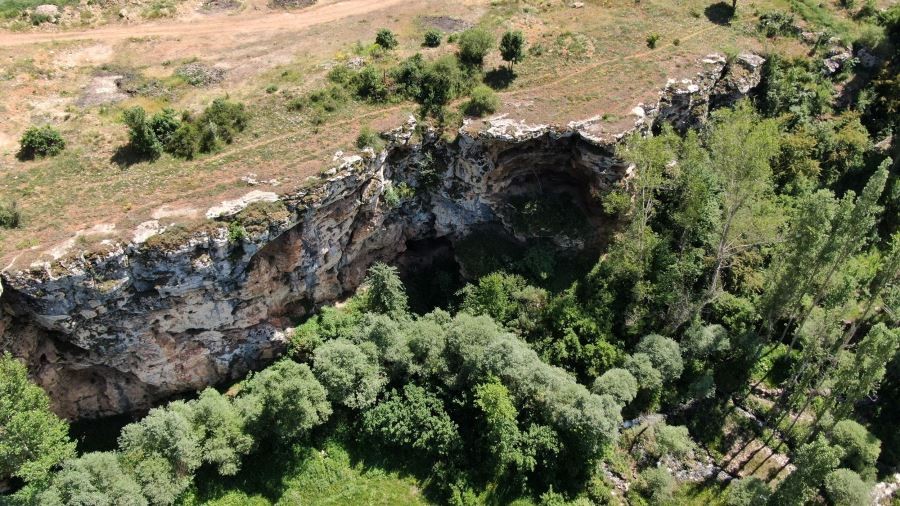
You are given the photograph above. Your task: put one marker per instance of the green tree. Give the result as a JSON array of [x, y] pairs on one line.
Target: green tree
[[641, 367], [503, 433], [673, 440], [665, 355], [386, 39], [512, 47], [813, 461], [861, 448], [164, 124], [619, 383], [741, 145], [843, 487], [351, 377], [283, 401], [141, 136], [163, 451], [40, 141], [32, 439], [474, 45], [414, 419], [220, 430], [385, 294], [94, 479], [441, 83]]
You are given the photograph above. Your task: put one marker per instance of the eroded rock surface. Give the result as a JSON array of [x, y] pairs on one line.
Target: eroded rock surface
[[177, 310]]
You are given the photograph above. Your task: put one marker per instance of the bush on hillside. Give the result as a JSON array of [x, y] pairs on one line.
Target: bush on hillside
[[40, 142], [474, 45], [433, 38], [483, 101]]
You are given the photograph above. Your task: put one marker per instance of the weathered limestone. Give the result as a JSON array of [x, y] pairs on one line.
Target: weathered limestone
[[173, 311]]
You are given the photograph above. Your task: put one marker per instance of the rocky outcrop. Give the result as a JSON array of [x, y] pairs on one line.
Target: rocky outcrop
[[176, 310]]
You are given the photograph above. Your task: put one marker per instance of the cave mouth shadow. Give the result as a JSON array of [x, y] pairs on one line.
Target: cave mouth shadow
[[720, 13]]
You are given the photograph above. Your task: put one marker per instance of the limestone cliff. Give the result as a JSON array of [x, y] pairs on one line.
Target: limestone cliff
[[177, 310]]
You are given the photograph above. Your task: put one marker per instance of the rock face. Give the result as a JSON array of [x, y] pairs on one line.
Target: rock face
[[177, 310]]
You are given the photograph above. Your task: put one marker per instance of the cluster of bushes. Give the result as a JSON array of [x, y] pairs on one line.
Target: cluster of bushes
[[433, 84], [186, 135], [10, 215]]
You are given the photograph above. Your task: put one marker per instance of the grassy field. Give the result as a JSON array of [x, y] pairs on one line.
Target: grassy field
[[320, 474]]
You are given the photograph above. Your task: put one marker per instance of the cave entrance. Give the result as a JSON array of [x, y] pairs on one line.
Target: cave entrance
[[430, 272]]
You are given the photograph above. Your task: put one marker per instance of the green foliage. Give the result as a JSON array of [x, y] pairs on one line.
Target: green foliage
[[385, 294], [40, 142], [220, 430], [672, 440], [369, 138], [94, 479], [506, 298], [656, 485], [10, 216], [348, 374], [749, 491], [441, 82], [140, 134], [415, 420], [370, 84], [512, 47], [664, 354], [483, 101], [164, 124], [775, 23], [843, 487], [432, 38], [814, 462], [618, 383], [386, 39], [283, 402], [653, 40], [474, 44], [641, 367], [861, 448], [32, 439], [795, 88], [220, 122]]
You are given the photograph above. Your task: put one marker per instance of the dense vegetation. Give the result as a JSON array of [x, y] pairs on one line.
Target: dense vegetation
[[751, 294]]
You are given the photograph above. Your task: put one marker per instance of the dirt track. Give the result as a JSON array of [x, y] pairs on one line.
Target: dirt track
[[215, 26]]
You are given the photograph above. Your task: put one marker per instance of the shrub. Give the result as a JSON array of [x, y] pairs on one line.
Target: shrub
[[474, 45], [775, 23], [164, 124], [370, 85], [369, 138], [845, 488], [385, 294], [750, 491], [433, 38], [184, 141], [272, 88], [656, 485], [408, 76], [40, 142], [665, 355], [483, 101], [652, 40], [140, 134], [10, 216], [386, 39], [228, 119]]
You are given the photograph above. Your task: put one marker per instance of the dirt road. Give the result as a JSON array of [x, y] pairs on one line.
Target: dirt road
[[213, 26]]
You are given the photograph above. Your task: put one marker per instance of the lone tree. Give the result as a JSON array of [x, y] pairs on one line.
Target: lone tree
[[512, 47]]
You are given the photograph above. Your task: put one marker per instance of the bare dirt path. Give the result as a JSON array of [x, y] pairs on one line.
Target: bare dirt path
[[215, 26]]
